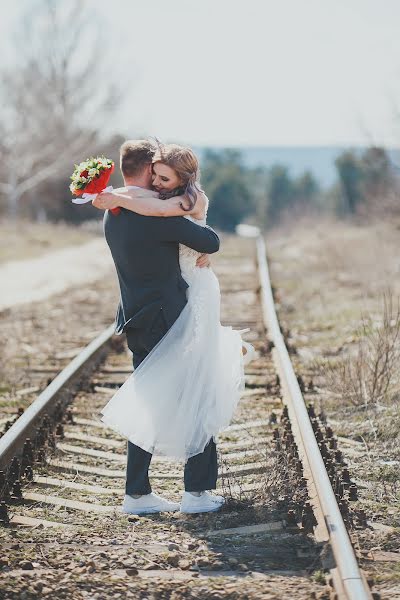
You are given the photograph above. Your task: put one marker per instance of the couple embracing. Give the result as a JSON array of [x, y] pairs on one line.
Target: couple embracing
[[188, 369]]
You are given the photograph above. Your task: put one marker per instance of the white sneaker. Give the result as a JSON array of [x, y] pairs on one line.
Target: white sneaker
[[148, 503], [206, 502]]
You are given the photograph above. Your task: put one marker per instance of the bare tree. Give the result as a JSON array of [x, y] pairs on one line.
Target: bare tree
[[53, 100]]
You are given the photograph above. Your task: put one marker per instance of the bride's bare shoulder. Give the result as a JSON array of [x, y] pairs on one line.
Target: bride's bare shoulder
[[200, 208]]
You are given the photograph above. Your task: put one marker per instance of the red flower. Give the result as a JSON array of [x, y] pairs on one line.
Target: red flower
[[99, 182]]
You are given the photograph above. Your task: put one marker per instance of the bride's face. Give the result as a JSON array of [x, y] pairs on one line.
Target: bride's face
[[165, 178]]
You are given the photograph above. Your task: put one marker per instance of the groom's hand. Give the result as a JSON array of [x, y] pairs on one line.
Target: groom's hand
[[106, 200], [203, 261]]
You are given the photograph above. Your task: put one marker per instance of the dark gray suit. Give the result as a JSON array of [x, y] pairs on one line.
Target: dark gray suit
[[153, 293]]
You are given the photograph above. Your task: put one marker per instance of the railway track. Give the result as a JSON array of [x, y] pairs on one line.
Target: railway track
[[285, 479]]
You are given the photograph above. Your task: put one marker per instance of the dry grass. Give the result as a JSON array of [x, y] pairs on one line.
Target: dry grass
[[328, 275], [277, 487], [369, 374]]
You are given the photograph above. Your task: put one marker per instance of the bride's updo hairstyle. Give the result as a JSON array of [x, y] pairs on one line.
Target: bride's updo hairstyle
[[185, 164]]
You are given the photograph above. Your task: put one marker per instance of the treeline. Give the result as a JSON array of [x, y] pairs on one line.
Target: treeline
[[367, 184], [238, 192]]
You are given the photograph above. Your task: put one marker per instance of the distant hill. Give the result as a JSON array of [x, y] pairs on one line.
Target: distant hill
[[318, 159]]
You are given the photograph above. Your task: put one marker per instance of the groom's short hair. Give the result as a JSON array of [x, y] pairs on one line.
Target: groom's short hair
[[135, 156]]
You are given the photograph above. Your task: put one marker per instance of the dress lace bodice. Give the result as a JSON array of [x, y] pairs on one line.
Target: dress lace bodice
[[188, 256]]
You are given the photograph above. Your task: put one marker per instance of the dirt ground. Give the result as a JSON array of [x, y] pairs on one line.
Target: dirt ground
[[21, 240], [329, 276], [33, 280], [326, 276]]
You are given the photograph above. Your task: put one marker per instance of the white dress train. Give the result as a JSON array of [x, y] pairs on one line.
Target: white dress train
[[187, 388]]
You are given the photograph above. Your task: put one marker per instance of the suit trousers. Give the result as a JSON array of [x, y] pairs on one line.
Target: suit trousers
[[201, 471]]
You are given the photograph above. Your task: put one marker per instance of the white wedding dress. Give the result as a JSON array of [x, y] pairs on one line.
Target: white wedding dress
[[187, 388]]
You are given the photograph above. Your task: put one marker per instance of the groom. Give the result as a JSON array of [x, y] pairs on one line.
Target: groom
[[153, 293]]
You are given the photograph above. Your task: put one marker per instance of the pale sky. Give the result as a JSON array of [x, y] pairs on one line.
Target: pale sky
[[255, 72]]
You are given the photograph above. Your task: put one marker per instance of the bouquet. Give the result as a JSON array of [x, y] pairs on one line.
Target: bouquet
[[90, 178]]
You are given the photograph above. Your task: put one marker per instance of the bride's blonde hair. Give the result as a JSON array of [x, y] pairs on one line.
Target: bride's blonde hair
[[185, 164]]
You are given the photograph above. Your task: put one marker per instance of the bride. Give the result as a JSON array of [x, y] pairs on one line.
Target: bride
[[187, 388]]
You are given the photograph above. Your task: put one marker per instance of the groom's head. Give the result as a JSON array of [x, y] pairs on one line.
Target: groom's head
[[136, 158]]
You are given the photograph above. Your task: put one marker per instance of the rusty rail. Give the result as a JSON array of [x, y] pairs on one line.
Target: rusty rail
[[12, 442], [330, 525]]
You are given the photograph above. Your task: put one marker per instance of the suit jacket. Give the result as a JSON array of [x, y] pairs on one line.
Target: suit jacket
[[145, 251]]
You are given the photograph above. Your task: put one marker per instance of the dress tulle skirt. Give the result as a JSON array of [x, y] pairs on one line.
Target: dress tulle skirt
[[186, 390]]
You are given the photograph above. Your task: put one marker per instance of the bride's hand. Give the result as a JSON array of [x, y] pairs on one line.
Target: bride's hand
[[203, 261], [106, 200]]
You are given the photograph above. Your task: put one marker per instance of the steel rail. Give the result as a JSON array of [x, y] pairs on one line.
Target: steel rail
[[11, 443], [353, 583]]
